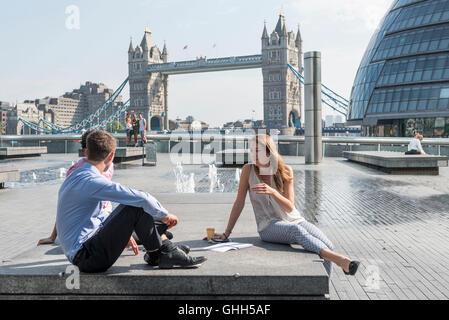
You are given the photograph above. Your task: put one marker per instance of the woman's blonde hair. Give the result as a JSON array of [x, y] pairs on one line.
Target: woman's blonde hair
[[282, 173]]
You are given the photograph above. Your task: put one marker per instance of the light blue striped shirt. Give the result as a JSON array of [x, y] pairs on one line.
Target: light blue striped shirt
[[80, 213]]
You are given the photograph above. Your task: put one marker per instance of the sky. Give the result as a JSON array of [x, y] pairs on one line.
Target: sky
[[45, 51]]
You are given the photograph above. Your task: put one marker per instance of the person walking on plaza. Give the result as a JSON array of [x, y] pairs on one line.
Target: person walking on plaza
[[415, 147], [93, 239], [142, 128], [271, 190], [135, 123], [129, 129]]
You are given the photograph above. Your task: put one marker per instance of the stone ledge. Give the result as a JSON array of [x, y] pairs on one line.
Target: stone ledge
[[15, 152], [398, 163]]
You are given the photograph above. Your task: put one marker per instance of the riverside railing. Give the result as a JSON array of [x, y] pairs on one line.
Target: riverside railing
[[288, 145]]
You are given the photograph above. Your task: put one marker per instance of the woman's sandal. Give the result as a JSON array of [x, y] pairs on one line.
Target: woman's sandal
[[353, 266]]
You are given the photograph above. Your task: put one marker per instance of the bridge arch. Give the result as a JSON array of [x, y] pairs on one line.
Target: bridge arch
[[294, 120], [156, 123]]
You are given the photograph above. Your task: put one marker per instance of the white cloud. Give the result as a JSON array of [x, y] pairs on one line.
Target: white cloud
[[368, 12]]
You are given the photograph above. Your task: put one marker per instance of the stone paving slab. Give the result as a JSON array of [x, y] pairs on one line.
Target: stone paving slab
[[8, 174]]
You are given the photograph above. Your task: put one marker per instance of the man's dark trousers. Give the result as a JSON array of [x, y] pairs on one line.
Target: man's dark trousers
[[101, 251]]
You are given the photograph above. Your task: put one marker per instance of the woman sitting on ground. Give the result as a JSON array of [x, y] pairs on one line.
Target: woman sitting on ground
[[270, 184]]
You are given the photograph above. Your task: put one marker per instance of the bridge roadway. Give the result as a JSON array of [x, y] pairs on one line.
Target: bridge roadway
[[208, 65]]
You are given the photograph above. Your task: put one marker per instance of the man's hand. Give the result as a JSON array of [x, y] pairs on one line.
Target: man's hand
[[170, 220], [132, 243], [48, 240]]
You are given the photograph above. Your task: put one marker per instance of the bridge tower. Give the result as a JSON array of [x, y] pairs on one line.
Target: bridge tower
[[148, 91], [281, 89]]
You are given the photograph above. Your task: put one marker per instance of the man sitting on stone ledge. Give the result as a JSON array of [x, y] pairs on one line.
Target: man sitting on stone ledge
[[93, 239], [415, 147]]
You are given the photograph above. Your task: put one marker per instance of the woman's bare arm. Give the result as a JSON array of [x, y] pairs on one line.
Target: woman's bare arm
[[239, 203]]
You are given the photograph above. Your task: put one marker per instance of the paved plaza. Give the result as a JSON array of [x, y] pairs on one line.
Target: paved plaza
[[396, 225]]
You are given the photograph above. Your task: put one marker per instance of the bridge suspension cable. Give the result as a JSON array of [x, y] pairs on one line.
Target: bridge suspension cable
[[91, 121], [329, 98]]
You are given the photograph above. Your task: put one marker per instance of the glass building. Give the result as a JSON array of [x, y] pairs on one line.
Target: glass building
[[402, 84]]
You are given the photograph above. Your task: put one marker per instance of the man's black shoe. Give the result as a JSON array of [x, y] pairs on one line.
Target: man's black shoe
[[184, 248], [178, 259], [152, 261]]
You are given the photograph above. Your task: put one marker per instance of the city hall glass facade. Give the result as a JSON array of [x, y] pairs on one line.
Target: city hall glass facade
[[402, 84]]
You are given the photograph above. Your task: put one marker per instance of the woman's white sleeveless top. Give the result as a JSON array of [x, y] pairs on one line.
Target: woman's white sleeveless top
[[265, 207]]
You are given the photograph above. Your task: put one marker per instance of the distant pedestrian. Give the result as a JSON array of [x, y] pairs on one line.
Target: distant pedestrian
[[415, 147], [129, 129], [135, 124], [142, 128]]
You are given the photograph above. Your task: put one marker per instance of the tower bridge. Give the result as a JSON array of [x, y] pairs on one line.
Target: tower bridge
[[149, 70], [281, 62]]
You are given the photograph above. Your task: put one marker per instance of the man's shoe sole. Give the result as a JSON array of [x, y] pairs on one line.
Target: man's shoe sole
[[175, 266]]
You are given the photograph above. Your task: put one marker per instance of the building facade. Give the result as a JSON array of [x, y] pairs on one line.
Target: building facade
[[5, 107], [148, 91], [62, 111], [281, 89], [402, 84], [26, 110]]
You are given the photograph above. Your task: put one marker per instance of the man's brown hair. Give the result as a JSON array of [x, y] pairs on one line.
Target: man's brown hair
[[99, 145]]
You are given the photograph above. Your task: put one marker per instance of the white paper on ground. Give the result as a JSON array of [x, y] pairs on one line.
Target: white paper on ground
[[223, 247]]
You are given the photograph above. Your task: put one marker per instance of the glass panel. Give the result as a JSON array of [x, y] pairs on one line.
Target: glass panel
[[444, 93], [443, 104], [432, 105], [422, 105], [412, 105], [421, 13], [430, 39]]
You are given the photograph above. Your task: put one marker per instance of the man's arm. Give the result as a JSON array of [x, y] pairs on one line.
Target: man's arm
[[108, 190], [420, 147]]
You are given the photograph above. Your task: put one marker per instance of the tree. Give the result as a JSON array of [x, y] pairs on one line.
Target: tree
[[116, 126]]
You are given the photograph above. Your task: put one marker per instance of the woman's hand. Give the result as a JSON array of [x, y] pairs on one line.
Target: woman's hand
[[263, 188], [217, 237]]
